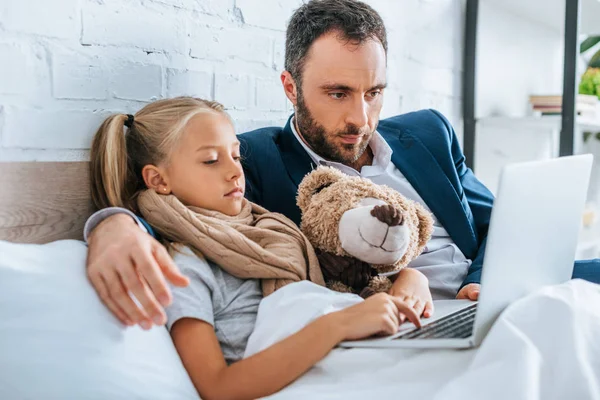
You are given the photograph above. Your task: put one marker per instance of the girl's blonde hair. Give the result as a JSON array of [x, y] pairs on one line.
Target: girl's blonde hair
[[117, 157]]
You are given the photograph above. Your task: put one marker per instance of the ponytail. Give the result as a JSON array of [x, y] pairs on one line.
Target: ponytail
[[109, 165]]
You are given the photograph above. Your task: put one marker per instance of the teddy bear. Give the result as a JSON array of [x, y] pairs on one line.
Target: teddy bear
[[351, 217]]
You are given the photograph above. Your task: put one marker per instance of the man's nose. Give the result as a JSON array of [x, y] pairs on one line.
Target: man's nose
[[358, 115]]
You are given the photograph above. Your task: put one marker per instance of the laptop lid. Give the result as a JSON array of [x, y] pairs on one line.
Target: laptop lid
[[532, 238]]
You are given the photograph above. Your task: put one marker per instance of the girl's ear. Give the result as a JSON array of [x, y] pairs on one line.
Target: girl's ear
[[155, 178]]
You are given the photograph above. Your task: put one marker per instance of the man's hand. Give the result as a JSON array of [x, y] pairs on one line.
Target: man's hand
[[122, 259], [412, 287], [469, 292]]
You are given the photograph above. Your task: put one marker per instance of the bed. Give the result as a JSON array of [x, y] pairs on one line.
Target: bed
[[58, 341], [44, 201]]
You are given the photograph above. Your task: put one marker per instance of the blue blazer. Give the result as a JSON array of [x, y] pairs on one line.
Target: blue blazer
[[425, 149]]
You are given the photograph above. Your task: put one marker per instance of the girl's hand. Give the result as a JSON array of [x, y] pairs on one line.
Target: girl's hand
[[378, 314], [412, 287]]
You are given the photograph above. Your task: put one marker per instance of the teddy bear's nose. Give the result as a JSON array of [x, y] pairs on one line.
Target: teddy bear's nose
[[388, 214]]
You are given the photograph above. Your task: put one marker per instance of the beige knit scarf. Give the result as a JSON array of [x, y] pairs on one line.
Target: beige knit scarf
[[254, 244]]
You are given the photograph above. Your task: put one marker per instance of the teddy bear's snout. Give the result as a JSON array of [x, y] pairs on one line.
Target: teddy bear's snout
[[388, 214]]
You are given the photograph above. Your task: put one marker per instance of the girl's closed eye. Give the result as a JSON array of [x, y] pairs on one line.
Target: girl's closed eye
[[210, 162]]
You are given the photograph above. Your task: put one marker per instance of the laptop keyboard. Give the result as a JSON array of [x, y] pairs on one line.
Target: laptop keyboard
[[458, 325]]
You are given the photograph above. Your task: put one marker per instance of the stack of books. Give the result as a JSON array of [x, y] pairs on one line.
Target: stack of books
[[586, 106]]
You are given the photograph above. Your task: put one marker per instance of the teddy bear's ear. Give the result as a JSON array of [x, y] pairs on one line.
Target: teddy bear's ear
[[314, 182]]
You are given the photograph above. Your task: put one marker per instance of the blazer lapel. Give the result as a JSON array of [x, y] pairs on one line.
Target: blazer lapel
[[421, 169]]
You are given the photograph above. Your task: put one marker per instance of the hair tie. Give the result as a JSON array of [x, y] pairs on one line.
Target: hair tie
[[129, 122]]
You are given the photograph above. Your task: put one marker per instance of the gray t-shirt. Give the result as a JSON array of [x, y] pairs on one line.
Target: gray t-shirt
[[228, 303]]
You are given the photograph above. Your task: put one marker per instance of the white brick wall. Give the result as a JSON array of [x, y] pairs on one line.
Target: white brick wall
[[77, 77], [189, 83], [56, 18], [66, 64]]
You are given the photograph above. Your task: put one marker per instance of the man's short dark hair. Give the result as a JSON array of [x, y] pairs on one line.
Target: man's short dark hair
[[354, 20]]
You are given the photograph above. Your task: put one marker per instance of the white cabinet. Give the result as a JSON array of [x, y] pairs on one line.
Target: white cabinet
[[502, 141]]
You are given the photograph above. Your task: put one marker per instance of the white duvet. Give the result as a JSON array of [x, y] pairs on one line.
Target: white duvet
[[545, 346]]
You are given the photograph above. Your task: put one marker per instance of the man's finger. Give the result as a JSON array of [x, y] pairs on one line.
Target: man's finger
[[157, 314], [131, 282], [102, 290], [149, 303], [150, 271], [474, 293], [168, 267], [408, 311], [119, 295], [469, 292]]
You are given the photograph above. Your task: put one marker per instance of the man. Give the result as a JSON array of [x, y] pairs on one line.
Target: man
[[335, 77]]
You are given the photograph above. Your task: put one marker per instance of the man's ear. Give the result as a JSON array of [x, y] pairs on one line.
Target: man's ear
[[155, 178], [316, 181], [289, 87]]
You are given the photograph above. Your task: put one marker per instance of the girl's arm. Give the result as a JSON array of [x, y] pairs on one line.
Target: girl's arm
[[274, 368]]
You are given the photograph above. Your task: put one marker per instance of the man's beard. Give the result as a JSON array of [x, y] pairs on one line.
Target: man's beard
[[320, 141]]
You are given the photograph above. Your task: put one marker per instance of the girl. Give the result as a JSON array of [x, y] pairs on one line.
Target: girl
[[178, 165]]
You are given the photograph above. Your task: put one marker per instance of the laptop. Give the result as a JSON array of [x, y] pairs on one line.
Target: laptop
[[532, 239]]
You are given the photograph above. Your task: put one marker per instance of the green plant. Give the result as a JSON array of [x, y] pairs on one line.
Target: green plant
[[587, 135], [588, 44], [590, 81]]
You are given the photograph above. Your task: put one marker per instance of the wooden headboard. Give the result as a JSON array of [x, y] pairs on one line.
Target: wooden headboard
[[43, 201]]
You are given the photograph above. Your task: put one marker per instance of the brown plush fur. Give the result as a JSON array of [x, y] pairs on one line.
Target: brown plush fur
[[326, 194]]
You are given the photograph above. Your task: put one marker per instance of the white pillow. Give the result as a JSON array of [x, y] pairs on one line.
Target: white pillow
[[58, 341]]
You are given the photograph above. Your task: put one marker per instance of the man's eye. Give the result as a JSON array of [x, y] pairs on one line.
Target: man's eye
[[375, 94], [337, 95], [210, 162]]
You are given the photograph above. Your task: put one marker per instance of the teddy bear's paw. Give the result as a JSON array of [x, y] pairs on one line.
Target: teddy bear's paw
[[380, 284], [339, 287], [367, 292]]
